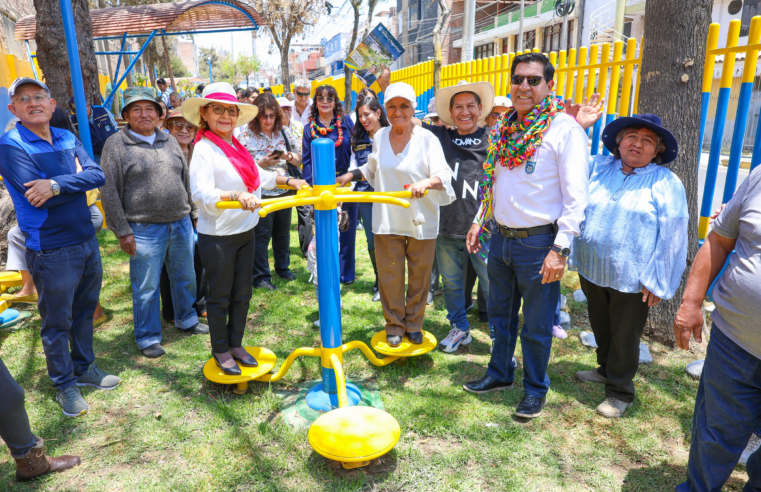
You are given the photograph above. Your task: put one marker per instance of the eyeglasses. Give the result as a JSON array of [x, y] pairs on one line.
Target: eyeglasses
[[302, 94], [328, 99], [186, 126], [268, 116], [533, 80], [495, 115], [221, 110], [37, 98]]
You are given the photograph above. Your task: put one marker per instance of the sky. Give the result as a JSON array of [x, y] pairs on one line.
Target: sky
[[342, 19]]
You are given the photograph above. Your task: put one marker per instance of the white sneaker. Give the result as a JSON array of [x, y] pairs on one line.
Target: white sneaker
[[455, 338], [316, 323], [753, 445]]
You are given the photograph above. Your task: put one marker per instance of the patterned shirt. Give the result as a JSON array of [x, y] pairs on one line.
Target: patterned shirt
[[261, 145]]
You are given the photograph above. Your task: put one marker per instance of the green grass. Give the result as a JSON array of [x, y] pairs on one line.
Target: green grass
[[167, 428]]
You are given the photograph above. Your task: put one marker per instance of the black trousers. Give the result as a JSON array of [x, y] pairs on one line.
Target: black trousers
[[202, 289], [618, 320], [305, 221], [14, 423], [275, 226], [227, 260]]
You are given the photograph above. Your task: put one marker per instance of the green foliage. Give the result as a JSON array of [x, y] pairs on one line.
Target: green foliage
[[178, 69]]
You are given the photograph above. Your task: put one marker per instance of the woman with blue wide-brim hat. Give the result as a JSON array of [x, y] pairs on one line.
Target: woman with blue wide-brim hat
[[632, 249]]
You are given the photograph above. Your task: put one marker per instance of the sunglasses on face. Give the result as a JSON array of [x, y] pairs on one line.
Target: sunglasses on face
[[184, 126], [221, 110], [533, 80], [302, 94], [328, 99], [269, 116]]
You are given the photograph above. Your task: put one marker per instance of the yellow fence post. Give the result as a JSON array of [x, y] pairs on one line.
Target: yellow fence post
[[592, 72], [561, 75], [569, 80], [626, 88], [580, 75]]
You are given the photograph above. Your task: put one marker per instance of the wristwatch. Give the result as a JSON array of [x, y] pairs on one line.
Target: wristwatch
[[55, 188], [564, 252]]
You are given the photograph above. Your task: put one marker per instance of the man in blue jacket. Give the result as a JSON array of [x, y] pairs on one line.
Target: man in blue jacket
[[39, 166], [102, 126]]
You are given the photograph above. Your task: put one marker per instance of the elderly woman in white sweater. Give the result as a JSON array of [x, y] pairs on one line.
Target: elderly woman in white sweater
[[223, 170], [405, 154]]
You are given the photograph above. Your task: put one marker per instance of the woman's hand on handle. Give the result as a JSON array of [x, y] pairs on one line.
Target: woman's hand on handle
[[297, 183], [418, 189], [343, 179], [249, 201]]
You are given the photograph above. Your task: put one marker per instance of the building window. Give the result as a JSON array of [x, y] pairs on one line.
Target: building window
[[551, 37], [484, 51], [412, 17]]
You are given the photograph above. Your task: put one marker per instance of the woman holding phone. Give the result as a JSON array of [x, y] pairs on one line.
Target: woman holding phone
[[273, 147]]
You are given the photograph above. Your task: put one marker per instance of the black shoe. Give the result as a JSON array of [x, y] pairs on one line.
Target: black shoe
[[416, 338], [483, 317], [375, 287], [153, 351], [393, 340], [376, 297], [265, 285], [348, 283], [247, 361], [485, 385], [530, 407], [430, 298], [288, 276], [199, 329], [230, 371]]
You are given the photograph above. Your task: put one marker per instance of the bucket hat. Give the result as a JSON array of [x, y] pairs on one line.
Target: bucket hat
[[135, 94], [219, 92], [649, 121]]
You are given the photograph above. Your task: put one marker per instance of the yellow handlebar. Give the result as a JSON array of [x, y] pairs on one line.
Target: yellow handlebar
[[324, 198]]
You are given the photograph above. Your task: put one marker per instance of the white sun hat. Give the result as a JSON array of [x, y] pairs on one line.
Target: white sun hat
[[400, 89], [284, 102], [502, 102], [219, 92], [484, 90]]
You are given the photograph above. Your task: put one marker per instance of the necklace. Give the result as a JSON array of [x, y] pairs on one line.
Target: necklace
[[324, 131]]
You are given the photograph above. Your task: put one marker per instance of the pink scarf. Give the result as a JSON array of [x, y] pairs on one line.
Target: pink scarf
[[238, 156]]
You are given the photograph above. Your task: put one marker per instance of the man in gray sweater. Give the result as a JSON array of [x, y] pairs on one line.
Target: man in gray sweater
[[148, 205]]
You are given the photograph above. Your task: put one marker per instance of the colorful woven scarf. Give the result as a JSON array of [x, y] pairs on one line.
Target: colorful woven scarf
[[511, 144]]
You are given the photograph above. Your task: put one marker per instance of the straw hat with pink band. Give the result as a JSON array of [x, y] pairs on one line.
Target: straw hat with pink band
[[220, 92], [239, 157]]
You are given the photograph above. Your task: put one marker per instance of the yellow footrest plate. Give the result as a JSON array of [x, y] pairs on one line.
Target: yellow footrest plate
[[266, 359], [405, 349], [354, 434], [11, 279]]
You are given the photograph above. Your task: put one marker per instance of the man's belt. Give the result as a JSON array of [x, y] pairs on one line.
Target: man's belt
[[531, 231]]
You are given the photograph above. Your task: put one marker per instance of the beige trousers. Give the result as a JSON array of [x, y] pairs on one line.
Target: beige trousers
[[404, 314]]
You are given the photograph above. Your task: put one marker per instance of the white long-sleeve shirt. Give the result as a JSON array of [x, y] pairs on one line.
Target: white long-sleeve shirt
[[211, 174], [385, 171], [553, 186]]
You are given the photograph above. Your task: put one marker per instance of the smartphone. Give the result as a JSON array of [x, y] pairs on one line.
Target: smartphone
[[277, 154]]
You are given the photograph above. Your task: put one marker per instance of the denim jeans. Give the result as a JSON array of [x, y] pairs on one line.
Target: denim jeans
[[513, 267], [366, 214], [449, 255], [169, 243], [727, 411], [68, 281]]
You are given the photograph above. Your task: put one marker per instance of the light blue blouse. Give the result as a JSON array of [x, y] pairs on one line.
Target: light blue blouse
[[634, 232]]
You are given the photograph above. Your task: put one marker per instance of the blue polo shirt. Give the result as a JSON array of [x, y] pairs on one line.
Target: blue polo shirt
[[62, 220]]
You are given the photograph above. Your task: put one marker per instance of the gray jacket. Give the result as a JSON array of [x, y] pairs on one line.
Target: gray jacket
[[144, 183]]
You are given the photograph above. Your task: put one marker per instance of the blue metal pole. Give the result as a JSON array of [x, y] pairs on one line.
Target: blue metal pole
[[705, 101], [31, 60], [720, 119], [114, 88], [738, 136], [127, 70], [116, 52], [755, 160], [608, 120], [180, 33], [75, 67], [211, 77], [597, 129]]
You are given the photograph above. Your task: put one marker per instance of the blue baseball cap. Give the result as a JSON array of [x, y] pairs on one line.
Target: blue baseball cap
[[25, 80]]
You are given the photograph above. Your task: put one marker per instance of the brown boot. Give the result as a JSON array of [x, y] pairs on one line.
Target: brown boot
[[36, 463]]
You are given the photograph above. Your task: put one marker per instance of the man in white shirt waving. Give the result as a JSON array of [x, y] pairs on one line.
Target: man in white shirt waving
[[535, 186]]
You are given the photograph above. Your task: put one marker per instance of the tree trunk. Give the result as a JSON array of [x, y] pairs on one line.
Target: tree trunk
[[444, 12], [51, 49], [125, 64], [348, 73], [168, 63], [675, 34], [284, 65]]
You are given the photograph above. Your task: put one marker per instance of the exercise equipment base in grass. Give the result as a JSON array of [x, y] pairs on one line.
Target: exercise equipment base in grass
[[266, 359], [406, 348]]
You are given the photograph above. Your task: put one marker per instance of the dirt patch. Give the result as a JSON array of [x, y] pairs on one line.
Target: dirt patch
[[430, 446]]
